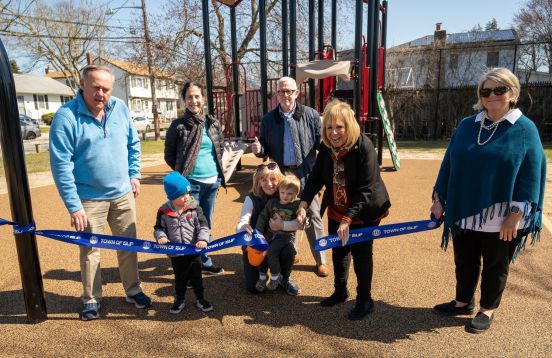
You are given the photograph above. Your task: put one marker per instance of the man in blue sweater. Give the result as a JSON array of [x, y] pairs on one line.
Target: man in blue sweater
[[95, 161]]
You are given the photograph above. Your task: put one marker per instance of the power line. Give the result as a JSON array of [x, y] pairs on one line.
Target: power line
[[65, 21], [106, 39]]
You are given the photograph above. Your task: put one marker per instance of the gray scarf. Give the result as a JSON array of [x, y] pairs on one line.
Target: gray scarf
[[196, 122]]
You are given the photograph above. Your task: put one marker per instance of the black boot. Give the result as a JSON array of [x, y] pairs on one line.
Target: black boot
[[337, 297], [362, 308]]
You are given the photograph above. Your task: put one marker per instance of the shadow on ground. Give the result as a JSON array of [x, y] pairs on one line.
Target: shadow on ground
[[388, 323]]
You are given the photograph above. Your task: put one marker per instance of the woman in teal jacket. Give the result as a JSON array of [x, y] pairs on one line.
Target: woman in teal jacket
[[490, 189]]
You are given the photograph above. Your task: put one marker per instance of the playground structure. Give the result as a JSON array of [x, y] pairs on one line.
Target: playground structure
[[240, 107], [365, 66]]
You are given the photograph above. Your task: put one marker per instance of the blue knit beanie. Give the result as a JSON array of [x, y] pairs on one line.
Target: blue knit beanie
[[175, 185]]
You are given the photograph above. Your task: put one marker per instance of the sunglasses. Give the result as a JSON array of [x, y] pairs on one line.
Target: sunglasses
[[270, 166], [498, 91], [286, 92]]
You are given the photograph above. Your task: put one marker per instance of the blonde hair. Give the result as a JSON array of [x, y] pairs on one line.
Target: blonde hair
[[290, 181], [260, 174], [504, 77], [335, 111]]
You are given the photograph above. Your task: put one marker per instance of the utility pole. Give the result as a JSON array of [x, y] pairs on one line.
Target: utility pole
[[147, 40]]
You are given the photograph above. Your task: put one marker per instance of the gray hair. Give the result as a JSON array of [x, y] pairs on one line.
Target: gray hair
[[286, 79], [91, 68]]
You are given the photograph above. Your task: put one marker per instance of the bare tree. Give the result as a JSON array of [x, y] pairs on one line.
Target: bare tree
[[45, 36], [179, 43], [534, 24]]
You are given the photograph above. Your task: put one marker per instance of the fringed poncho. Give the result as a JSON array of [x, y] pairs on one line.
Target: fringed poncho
[[510, 167]]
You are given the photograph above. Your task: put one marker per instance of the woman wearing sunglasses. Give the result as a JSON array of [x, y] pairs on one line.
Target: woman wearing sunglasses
[[265, 186], [490, 189], [355, 197]]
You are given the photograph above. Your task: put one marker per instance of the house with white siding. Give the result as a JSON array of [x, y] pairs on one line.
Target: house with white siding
[[457, 59], [38, 95], [132, 85]]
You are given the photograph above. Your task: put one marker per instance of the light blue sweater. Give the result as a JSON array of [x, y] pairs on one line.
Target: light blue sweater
[[93, 160]]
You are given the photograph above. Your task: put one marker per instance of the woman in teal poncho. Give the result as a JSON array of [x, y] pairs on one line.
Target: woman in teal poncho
[[490, 189]]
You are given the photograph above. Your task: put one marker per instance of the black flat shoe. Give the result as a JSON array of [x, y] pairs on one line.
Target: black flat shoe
[[480, 323], [450, 309]]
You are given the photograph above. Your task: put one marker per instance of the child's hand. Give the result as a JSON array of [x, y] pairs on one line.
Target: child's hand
[[163, 240], [201, 244]]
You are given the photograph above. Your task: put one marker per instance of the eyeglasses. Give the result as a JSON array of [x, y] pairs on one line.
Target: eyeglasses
[[498, 91], [270, 166], [287, 92]]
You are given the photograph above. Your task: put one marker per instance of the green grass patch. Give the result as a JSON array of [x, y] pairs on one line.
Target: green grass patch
[[152, 146], [35, 162], [422, 145]]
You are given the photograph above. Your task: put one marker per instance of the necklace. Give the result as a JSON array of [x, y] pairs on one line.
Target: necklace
[[493, 126]]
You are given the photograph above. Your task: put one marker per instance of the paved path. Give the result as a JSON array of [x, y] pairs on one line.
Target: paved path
[[411, 275]]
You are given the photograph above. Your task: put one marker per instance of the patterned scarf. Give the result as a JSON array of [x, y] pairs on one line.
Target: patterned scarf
[[196, 122], [340, 203]]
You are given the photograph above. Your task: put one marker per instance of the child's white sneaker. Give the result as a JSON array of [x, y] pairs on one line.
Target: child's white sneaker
[[177, 306]]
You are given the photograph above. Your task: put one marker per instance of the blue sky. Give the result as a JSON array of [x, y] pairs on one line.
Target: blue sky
[[410, 19], [407, 19]]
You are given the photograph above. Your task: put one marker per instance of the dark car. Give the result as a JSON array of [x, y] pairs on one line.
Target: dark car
[[29, 130]]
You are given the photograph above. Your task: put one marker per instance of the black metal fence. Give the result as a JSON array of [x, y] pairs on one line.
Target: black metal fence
[[429, 91]]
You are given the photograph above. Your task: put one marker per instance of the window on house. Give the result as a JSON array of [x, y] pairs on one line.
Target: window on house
[[159, 84], [169, 105], [139, 82], [492, 59], [170, 84], [65, 99], [136, 105], [453, 61], [40, 101]]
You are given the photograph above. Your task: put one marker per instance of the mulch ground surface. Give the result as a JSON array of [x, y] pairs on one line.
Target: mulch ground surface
[[411, 275]]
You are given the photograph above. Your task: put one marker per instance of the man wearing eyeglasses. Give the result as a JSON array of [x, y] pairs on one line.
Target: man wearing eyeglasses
[[290, 135]]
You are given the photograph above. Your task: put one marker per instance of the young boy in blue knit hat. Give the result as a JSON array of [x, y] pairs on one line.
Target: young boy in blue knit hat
[[180, 220]]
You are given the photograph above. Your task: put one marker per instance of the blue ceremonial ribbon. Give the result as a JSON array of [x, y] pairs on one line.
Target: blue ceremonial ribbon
[[136, 245], [377, 232], [256, 240]]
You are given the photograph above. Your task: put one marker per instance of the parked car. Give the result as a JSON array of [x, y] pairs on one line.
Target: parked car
[[29, 130], [24, 117], [142, 124]]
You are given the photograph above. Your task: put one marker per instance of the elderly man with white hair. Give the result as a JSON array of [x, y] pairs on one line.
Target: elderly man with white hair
[[290, 135]]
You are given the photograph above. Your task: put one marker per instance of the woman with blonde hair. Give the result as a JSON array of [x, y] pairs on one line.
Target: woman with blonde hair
[[489, 212], [266, 179], [355, 197]]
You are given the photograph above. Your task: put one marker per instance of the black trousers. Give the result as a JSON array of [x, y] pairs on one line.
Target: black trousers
[[362, 263], [251, 273], [275, 248], [187, 268], [469, 248]]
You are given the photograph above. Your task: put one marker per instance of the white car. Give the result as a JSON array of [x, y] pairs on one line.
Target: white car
[[142, 124]]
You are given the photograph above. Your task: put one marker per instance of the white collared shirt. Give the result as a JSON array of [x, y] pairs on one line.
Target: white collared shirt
[[511, 116]]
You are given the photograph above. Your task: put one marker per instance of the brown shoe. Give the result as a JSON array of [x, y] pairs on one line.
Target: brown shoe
[[296, 260], [323, 270]]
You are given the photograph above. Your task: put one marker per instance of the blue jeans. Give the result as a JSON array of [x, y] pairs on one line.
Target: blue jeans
[[205, 195]]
